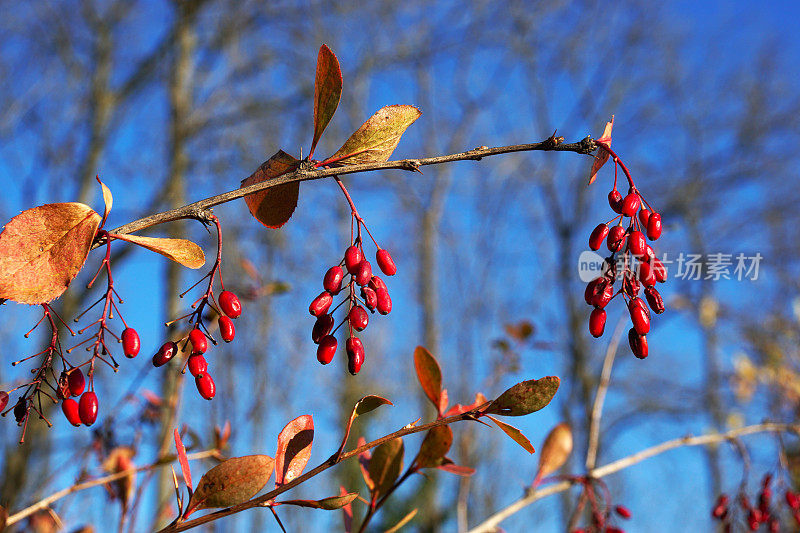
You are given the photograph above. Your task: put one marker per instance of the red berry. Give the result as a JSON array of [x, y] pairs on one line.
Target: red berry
[[654, 227], [165, 353], [20, 410], [385, 262], [333, 280], [615, 200], [597, 237], [630, 204], [384, 302], [377, 283], [792, 500], [637, 243], [226, 328], [322, 326], [363, 272], [70, 409], [3, 400], [230, 305], [646, 274], [639, 316], [358, 318], [591, 287], [597, 322], [616, 238], [326, 349], [659, 270], [644, 216], [321, 304], [654, 300], [370, 298], [76, 381], [130, 343], [205, 385], [603, 293], [719, 512], [638, 343], [352, 257], [198, 340], [623, 511], [197, 364], [355, 354], [774, 525], [87, 408]]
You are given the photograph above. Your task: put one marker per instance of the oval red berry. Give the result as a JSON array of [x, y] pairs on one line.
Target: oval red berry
[[88, 407], [637, 244], [358, 317], [654, 227], [197, 364], [226, 328], [630, 204], [320, 304], [332, 282], [638, 344], [597, 237], [352, 257], [230, 304], [205, 385], [70, 409], [644, 216], [654, 300], [384, 302], [76, 382], [322, 327], [326, 349], [616, 238], [385, 262], [198, 340], [355, 354], [363, 272], [165, 353], [370, 298], [377, 284], [3, 400], [130, 343], [615, 200], [597, 322]]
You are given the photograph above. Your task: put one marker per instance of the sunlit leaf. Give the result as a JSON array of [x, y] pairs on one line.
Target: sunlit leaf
[[108, 200], [435, 446], [362, 406], [328, 504], [429, 374], [327, 91], [231, 482], [602, 156], [377, 138], [385, 465], [42, 250], [274, 206], [294, 449], [555, 450], [181, 251], [181, 450], [403, 521], [457, 409], [363, 463], [514, 433], [347, 512], [449, 466], [526, 397]]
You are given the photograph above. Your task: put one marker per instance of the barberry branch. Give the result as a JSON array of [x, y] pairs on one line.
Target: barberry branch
[[46, 502], [306, 172], [532, 495]]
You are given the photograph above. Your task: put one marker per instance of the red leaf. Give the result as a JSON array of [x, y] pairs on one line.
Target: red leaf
[[327, 92], [449, 466], [526, 397], [435, 446], [273, 207], [294, 449], [514, 433], [187, 473], [347, 512], [42, 250], [385, 466], [457, 409], [601, 158], [363, 463], [429, 374]]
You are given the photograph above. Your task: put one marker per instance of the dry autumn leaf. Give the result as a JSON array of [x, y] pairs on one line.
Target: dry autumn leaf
[[429, 374], [181, 251], [42, 250], [602, 156], [377, 138], [327, 92], [230, 482], [294, 449], [555, 451], [273, 207]]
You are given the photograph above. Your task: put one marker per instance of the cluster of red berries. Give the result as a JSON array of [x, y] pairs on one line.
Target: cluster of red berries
[[633, 261], [374, 296], [230, 307], [84, 411], [599, 521], [763, 513]]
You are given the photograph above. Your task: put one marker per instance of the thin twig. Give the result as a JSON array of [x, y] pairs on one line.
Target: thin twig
[[532, 495], [304, 173], [47, 501], [600, 397]]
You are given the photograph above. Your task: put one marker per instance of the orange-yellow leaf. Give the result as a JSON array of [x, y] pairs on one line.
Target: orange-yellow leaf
[[231, 482], [294, 449], [555, 450], [108, 199], [347, 512], [43, 249], [273, 207], [181, 251], [601, 158], [449, 466], [514, 433], [429, 374], [183, 460], [525, 397], [327, 91], [377, 138], [328, 504]]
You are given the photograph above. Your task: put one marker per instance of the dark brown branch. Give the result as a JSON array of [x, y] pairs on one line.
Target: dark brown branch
[[198, 209]]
